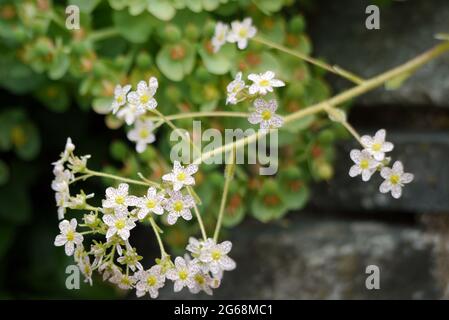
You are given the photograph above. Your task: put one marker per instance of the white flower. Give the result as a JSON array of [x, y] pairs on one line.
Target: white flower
[[234, 88], [264, 83], [150, 281], [142, 134], [202, 282], [68, 237], [143, 97], [119, 223], [130, 113], [119, 97], [182, 274], [178, 206], [265, 115], [364, 164], [152, 202], [86, 268], [196, 247], [219, 38], [62, 180], [217, 259], [131, 259], [241, 32], [181, 176], [123, 281], [395, 178], [117, 198], [377, 145]]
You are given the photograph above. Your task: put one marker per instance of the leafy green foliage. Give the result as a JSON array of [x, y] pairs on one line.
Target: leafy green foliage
[[73, 72]]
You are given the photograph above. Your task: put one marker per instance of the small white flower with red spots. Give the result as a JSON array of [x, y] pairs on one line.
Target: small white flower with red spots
[[365, 164], [241, 32], [263, 83], [234, 88], [151, 203], [142, 134], [68, 237], [219, 38], [143, 96], [150, 281], [265, 115], [377, 146], [119, 223], [395, 179], [119, 97], [216, 256], [177, 206], [181, 176], [117, 198], [182, 274]]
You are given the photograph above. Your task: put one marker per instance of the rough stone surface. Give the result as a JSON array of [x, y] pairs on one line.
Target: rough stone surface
[[407, 29], [424, 154], [323, 258]]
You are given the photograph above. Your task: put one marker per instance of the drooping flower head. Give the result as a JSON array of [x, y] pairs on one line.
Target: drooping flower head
[[241, 32], [234, 88]]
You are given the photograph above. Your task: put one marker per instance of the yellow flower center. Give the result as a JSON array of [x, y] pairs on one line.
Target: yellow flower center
[[178, 206], [394, 179], [70, 235], [120, 99], [181, 176], [151, 281], [151, 204], [144, 133], [266, 115], [199, 279], [120, 200], [144, 98], [120, 224], [364, 164], [376, 146], [216, 255], [264, 83], [183, 274], [243, 32]]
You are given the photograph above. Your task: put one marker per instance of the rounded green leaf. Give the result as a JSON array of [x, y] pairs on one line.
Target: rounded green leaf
[[161, 9], [136, 29]]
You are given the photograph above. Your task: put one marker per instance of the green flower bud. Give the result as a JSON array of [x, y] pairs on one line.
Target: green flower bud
[[172, 33], [297, 24], [144, 60], [192, 32]]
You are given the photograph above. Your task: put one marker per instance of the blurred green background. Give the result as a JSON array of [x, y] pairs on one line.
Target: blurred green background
[[57, 83]]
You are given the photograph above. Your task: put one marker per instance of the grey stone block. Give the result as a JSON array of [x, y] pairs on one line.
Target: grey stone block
[[407, 29], [323, 258]]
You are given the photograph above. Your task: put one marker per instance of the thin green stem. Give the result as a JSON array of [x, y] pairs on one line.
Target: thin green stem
[[204, 114], [198, 215], [157, 230], [103, 34], [334, 69], [356, 91], [118, 178], [228, 178]]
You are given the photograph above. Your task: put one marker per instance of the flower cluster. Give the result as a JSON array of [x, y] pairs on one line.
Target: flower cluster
[[263, 83], [239, 32], [264, 111], [64, 170], [372, 158], [131, 107], [110, 225]]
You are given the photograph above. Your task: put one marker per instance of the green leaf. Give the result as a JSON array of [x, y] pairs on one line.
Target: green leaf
[[102, 105], [136, 29], [217, 63], [27, 141], [161, 9], [176, 69], [294, 188], [268, 6], [60, 65], [86, 6]]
